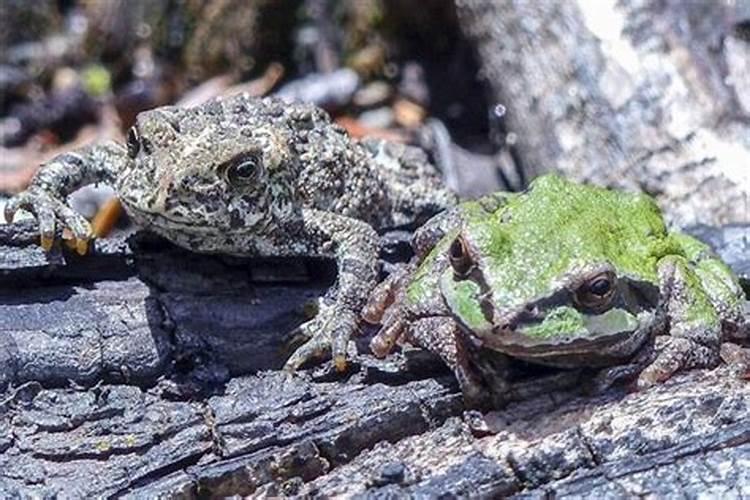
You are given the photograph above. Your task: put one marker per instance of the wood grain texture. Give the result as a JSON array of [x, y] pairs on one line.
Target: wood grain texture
[[643, 94]]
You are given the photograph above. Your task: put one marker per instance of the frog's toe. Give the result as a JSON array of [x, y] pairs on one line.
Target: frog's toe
[[345, 325], [78, 225], [12, 206], [47, 223], [383, 343], [385, 294], [41, 207], [678, 354], [381, 297], [738, 359], [76, 222]]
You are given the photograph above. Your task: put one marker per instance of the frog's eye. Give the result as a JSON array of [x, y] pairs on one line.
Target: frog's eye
[[244, 168], [597, 291], [134, 142], [460, 259]]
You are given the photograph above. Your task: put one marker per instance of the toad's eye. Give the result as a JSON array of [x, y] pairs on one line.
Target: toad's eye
[[134, 142], [597, 291], [243, 168], [459, 257]]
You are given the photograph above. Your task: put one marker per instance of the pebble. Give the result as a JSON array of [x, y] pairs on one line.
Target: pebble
[[377, 118]]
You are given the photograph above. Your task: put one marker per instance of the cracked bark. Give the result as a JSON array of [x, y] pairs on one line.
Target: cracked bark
[[180, 413]]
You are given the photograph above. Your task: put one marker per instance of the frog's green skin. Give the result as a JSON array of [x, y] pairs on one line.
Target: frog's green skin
[[517, 274]]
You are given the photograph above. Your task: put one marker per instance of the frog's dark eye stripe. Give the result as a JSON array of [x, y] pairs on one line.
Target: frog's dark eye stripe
[[243, 168], [133, 142], [459, 257], [597, 291]]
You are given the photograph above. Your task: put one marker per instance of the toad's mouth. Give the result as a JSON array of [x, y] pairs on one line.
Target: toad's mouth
[[148, 219]]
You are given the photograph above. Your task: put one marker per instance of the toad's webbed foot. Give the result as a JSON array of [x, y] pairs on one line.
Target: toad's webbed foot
[[53, 214], [325, 336], [46, 197]]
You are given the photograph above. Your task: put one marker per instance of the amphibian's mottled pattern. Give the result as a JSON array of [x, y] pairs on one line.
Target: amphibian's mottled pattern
[[254, 177], [564, 275]]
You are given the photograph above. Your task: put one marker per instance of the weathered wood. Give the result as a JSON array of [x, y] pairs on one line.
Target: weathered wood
[[120, 317], [619, 445], [647, 94], [111, 440], [129, 375]]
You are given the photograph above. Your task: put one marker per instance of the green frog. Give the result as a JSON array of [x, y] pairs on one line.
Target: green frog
[[563, 275]]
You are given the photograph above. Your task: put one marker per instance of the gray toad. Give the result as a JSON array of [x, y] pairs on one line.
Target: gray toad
[[253, 177]]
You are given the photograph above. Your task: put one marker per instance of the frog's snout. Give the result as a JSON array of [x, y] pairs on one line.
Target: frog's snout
[[529, 315], [504, 329]]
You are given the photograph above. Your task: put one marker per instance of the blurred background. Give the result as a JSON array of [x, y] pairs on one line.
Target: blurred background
[[77, 71], [652, 95]]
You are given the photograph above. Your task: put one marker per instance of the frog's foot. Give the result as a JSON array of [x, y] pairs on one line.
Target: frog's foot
[[626, 372], [327, 335], [738, 359], [677, 354], [384, 307], [51, 213]]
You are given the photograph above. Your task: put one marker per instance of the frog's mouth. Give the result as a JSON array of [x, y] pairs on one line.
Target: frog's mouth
[[557, 330], [557, 340]]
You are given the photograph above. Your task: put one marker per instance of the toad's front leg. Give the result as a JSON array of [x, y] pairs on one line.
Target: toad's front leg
[[46, 197], [354, 245]]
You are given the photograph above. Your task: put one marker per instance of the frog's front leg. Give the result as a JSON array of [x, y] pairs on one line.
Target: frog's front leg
[[694, 325], [443, 336], [354, 245], [439, 334], [46, 196], [720, 285]]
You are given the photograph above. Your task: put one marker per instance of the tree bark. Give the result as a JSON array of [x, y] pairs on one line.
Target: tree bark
[[644, 94]]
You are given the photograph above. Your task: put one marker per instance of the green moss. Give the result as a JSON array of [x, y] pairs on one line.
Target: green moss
[[425, 278], [612, 321], [692, 249], [96, 80], [696, 305], [462, 298], [563, 320], [467, 305]]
